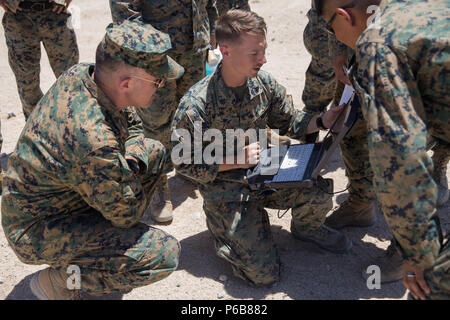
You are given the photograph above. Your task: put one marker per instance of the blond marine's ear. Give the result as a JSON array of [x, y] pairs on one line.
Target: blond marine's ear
[[225, 50]]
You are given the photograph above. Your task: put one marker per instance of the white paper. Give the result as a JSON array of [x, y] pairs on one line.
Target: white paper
[[346, 95]]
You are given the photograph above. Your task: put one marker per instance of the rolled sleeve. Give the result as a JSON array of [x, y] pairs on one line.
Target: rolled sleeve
[[134, 145], [284, 116], [187, 131], [108, 185], [335, 47]]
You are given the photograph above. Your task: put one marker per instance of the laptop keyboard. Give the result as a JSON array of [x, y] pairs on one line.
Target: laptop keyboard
[[294, 163]]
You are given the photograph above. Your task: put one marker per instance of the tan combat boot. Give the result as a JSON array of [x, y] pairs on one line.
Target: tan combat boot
[[161, 205], [324, 237], [352, 213], [51, 284], [390, 263]]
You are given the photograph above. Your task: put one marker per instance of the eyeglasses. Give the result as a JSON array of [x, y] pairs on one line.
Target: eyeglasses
[[159, 83], [328, 27]]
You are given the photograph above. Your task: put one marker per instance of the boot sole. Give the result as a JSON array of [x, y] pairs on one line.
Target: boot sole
[[351, 225], [162, 220], [338, 251], [36, 288]]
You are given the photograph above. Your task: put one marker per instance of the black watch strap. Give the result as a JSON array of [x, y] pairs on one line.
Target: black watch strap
[[134, 166], [319, 123]]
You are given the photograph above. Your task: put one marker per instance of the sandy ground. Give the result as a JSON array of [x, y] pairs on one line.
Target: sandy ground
[[309, 273]]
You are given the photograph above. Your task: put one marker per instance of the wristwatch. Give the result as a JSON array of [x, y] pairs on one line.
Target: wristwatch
[[319, 123]]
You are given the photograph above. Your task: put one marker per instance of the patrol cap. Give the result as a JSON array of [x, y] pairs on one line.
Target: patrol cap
[[141, 46]]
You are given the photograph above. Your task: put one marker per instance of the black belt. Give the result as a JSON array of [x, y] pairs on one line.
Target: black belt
[[36, 6]]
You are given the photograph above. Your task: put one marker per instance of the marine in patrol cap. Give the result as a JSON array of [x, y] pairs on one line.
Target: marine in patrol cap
[[142, 46]]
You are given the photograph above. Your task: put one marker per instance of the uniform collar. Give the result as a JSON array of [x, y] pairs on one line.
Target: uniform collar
[[98, 93], [117, 118], [253, 84]]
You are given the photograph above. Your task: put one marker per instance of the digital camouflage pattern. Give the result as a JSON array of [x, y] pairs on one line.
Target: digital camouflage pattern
[[189, 24], [147, 53], [320, 80], [235, 215], [157, 120], [403, 81], [71, 198], [319, 92], [24, 31], [225, 5], [241, 229]]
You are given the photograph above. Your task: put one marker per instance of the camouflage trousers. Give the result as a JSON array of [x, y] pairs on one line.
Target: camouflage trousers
[[157, 119], [24, 32], [110, 259], [225, 5], [319, 92], [320, 80], [241, 229], [355, 154], [438, 276]]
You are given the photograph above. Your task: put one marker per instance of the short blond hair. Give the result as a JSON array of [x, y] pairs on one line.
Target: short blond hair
[[232, 24]]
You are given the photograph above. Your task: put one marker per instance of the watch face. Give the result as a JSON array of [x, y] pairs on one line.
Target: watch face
[[319, 123]]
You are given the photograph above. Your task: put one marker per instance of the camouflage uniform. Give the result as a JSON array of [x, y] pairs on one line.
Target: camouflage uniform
[[235, 215], [319, 92], [225, 5], [189, 24], [403, 82], [24, 31], [70, 195]]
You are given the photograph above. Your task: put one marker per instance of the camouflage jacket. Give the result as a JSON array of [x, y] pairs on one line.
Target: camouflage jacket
[[225, 5], [215, 106], [335, 47], [189, 22], [403, 79], [70, 157]]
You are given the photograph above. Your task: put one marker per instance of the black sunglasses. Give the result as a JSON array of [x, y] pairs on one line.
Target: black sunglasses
[[329, 23]]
